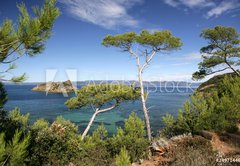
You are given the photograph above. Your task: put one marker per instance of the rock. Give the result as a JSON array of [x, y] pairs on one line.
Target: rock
[[182, 136], [160, 146], [55, 87], [206, 134]]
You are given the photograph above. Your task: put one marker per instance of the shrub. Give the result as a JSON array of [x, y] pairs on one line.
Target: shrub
[[133, 137], [195, 151], [54, 145], [12, 121], [218, 111], [14, 152], [94, 149], [123, 159]]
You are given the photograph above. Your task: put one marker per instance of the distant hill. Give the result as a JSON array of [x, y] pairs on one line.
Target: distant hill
[[55, 87], [130, 82], [146, 83], [213, 83]]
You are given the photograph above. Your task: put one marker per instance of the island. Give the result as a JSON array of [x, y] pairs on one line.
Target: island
[[55, 87]]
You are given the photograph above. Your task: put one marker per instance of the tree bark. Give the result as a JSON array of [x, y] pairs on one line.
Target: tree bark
[[145, 111], [89, 124], [235, 71], [93, 117], [140, 69]]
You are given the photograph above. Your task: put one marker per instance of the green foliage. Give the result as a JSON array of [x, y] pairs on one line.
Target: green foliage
[[28, 36], [102, 94], [3, 95], [187, 119], [159, 40], [15, 151], [18, 119], [214, 83], [218, 111], [132, 136], [143, 47], [60, 143], [123, 158], [223, 48], [18, 79], [54, 145], [95, 149], [18, 149], [2, 147], [12, 121], [39, 125]]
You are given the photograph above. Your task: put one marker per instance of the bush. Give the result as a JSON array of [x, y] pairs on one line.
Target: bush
[[12, 121], [60, 143], [195, 151], [54, 145], [14, 152], [15, 137], [94, 149], [123, 159], [133, 137], [218, 111]]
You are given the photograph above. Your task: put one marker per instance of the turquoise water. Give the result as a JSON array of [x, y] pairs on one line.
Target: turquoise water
[[39, 105]]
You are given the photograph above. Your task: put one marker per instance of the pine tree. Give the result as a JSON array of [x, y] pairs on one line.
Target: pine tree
[[221, 53], [99, 97], [123, 159], [26, 37], [15, 151], [143, 47]]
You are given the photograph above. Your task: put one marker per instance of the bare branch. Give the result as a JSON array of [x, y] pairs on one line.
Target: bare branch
[[148, 60], [106, 109], [218, 71]]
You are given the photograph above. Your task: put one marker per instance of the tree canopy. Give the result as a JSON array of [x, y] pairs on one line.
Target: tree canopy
[[222, 51], [26, 37], [157, 41], [143, 47], [99, 95], [102, 98]]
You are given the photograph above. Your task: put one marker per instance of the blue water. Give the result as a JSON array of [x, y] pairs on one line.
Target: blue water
[[160, 101]]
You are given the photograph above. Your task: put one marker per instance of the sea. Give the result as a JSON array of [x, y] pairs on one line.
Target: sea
[[160, 100]]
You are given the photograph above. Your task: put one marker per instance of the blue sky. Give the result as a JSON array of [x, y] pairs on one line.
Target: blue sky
[[78, 33]]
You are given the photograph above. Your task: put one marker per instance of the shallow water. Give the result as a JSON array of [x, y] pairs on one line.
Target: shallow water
[[160, 101]]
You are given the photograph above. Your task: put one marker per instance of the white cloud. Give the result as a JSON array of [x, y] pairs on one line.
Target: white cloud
[[172, 3], [197, 3], [215, 7], [105, 13], [224, 6], [190, 3], [193, 56]]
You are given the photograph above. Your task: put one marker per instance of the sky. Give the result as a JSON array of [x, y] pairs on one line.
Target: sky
[[77, 34]]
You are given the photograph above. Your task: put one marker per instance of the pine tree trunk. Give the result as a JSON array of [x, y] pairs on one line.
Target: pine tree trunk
[[235, 71], [145, 111], [89, 124], [93, 117]]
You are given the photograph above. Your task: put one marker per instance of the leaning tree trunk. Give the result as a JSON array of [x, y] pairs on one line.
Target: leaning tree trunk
[[145, 111], [89, 124], [97, 111], [235, 71]]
